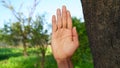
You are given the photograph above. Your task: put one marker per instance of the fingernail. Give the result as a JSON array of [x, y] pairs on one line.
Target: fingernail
[[64, 6], [58, 9]]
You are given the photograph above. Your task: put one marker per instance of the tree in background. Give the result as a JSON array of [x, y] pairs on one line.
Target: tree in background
[[82, 56], [27, 30], [39, 38], [102, 18], [4, 36], [11, 34], [23, 24]]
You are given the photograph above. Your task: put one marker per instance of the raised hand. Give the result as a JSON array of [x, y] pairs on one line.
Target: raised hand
[[64, 36]]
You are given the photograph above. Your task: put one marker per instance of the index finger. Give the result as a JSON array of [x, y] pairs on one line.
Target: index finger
[[69, 20]]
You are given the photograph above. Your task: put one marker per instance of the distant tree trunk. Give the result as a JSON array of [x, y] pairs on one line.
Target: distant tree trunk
[[24, 47], [43, 59], [102, 18]]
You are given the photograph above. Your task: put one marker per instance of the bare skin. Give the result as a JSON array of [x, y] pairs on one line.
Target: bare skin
[[64, 38]]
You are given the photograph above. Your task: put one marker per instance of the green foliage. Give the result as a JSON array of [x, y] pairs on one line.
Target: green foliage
[[13, 58], [20, 62], [12, 61], [6, 53], [25, 30], [38, 34], [5, 37], [19, 31], [11, 33], [82, 56]]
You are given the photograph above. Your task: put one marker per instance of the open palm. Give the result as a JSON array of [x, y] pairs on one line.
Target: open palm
[[64, 36]]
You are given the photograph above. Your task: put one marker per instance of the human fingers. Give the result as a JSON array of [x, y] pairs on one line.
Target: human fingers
[[54, 25], [64, 16], [59, 22], [69, 20], [75, 36]]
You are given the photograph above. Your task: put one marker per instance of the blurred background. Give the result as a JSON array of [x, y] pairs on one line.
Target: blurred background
[[25, 33]]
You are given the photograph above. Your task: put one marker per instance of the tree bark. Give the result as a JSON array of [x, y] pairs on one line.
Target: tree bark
[[43, 59], [102, 18], [25, 48]]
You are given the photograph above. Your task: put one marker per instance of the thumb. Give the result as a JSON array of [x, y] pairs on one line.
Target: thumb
[[75, 36]]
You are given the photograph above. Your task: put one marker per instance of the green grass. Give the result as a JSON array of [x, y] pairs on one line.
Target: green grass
[[13, 58]]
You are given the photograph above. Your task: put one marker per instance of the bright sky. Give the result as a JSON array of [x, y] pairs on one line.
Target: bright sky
[[47, 7]]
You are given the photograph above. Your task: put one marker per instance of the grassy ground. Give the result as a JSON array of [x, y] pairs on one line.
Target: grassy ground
[[13, 58]]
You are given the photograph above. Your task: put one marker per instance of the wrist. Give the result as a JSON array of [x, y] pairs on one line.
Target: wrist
[[63, 60], [64, 63]]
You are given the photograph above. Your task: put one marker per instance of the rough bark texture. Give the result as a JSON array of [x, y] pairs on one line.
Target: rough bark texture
[[102, 18]]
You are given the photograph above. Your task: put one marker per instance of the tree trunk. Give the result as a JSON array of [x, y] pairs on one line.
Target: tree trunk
[[43, 59], [102, 18], [25, 48]]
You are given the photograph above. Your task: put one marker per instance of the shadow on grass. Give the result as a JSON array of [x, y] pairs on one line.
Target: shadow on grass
[[14, 59], [6, 53], [32, 61], [50, 62]]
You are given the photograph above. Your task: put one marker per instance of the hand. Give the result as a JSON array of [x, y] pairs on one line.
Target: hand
[[64, 36]]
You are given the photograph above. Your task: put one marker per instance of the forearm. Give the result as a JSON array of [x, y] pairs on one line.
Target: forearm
[[66, 63]]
